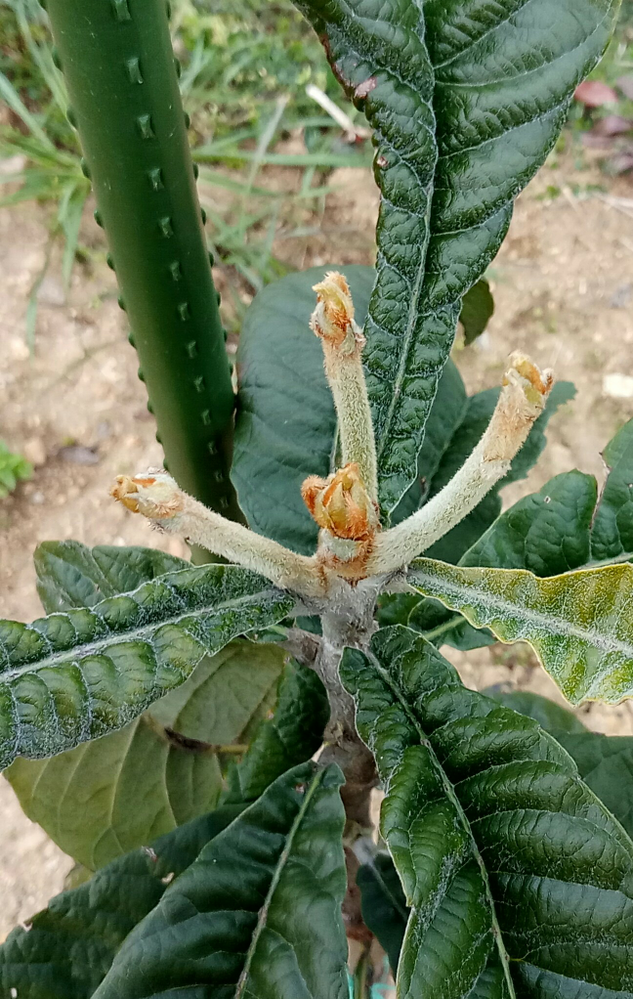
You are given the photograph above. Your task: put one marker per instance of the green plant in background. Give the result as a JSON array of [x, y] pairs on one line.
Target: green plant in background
[[162, 720], [238, 62], [13, 468]]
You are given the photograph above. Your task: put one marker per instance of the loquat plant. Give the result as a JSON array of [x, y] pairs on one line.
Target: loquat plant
[[208, 741]]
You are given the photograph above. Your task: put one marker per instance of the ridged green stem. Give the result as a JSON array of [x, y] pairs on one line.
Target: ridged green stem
[[121, 74]]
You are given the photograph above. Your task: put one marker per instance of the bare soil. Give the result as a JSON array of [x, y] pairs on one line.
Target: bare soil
[[563, 285]]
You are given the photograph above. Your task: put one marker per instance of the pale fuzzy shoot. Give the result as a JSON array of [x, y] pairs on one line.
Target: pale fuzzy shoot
[[348, 518], [523, 396], [343, 342], [157, 497]]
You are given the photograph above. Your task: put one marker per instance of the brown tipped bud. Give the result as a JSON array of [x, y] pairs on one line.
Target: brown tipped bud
[[541, 381], [341, 505], [523, 397], [155, 496], [333, 318]]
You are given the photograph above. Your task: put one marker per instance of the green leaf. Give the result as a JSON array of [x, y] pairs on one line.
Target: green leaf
[[12, 468], [383, 904], [71, 575], [520, 882], [554, 718], [286, 423], [605, 762], [578, 623], [66, 951], [548, 532], [156, 773], [258, 913], [75, 676], [292, 735], [280, 440], [612, 534], [478, 306], [105, 798], [443, 627], [74, 941], [466, 101], [432, 619], [225, 696]]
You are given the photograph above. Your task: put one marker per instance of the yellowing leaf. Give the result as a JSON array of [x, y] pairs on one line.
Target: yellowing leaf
[[579, 623]]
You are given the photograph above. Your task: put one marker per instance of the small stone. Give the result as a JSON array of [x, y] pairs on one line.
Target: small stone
[[19, 348], [618, 386], [51, 292], [621, 296], [12, 164], [37, 498], [35, 452], [77, 454]]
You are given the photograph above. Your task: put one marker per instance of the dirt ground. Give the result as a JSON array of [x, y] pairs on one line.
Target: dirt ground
[[563, 285]]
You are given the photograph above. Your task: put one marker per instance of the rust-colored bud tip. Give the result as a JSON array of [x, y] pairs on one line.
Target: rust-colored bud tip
[[155, 496], [341, 504], [125, 491], [333, 318], [540, 381], [523, 397]]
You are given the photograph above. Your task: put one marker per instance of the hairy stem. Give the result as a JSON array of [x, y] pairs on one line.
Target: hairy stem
[[347, 382], [343, 342], [522, 399], [158, 498], [119, 66]]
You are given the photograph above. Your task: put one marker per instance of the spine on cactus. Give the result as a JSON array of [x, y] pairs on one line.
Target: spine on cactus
[[119, 65]]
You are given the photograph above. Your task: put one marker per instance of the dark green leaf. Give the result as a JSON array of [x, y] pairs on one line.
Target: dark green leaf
[[396, 608], [612, 535], [71, 575], [66, 950], [562, 393], [547, 532], [138, 783], [441, 626], [383, 904], [478, 306], [466, 100], [605, 762], [293, 735], [258, 913], [553, 531], [432, 619], [520, 882], [559, 528], [551, 716], [449, 409], [286, 423], [75, 676]]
